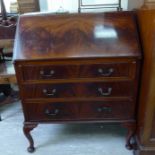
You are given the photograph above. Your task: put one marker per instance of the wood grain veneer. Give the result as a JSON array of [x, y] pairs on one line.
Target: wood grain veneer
[[72, 36], [78, 68]]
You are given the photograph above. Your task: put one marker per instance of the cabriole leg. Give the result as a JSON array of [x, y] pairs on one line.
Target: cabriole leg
[[27, 129], [130, 144]]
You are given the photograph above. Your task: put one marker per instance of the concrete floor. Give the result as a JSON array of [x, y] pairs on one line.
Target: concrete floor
[[59, 139]]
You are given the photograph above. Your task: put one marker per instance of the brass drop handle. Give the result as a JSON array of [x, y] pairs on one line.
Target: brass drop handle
[[106, 72], [108, 93], [52, 113], [53, 92], [104, 109], [51, 73]]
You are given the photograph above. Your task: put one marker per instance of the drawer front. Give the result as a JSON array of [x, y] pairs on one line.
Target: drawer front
[[51, 111], [47, 72], [97, 89], [108, 110], [121, 110]]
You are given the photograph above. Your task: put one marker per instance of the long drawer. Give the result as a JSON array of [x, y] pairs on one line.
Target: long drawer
[[96, 89], [47, 72], [109, 110]]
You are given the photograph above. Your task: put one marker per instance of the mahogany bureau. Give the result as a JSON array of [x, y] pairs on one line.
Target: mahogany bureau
[[78, 68]]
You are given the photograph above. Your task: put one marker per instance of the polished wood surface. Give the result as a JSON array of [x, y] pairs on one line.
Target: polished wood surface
[[76, 69], [7, 73], [68, 71], [6, 43], [146, 119], [145, 152], [42, 36], [147, 104], [80, 111], [84, 90]]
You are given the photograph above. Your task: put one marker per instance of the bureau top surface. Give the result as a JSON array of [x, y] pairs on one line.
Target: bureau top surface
[[65, 36]]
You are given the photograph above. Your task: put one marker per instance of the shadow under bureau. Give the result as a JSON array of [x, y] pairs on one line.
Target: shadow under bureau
[[78, 68]]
